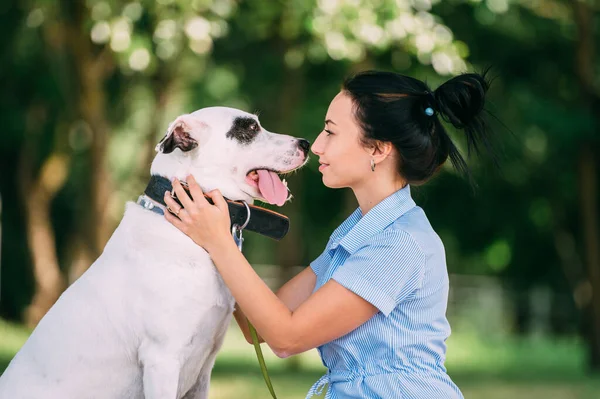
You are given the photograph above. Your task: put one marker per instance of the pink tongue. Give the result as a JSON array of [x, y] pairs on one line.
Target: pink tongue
[[271, 187]]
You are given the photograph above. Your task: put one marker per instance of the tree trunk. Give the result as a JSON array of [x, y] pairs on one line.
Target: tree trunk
[[91, 71], [588, 177], [38, 192], [290, 251], [161, 88], [38, 195]]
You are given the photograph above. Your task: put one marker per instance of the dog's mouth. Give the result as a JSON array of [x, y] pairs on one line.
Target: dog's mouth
[[271, 187]]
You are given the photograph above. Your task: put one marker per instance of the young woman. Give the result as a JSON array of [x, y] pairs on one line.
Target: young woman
[[374, 302]]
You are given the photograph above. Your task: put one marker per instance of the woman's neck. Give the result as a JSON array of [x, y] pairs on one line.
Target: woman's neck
[[374, 191]]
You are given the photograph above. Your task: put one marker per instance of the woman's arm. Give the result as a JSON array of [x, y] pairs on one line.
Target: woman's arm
[[329, 313], [242, 322], [292, 294]]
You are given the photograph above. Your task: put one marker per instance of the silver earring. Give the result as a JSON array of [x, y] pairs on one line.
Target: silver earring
[[372, 165]]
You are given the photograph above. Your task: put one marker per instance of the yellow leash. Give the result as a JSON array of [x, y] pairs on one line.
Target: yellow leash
[[261, 360], [236, 231]]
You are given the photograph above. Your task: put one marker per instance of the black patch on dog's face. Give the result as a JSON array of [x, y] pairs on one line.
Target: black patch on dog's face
[[244, 130]]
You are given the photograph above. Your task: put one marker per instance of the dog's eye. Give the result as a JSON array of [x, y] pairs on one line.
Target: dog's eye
[[254, 126]]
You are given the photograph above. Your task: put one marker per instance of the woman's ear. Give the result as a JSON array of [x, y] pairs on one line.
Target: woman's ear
[[381, 150]]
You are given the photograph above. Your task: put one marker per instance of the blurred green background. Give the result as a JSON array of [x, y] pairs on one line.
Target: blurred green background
[[89, 87]]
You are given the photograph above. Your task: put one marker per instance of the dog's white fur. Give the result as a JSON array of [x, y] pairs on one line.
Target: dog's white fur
[[148, 317]]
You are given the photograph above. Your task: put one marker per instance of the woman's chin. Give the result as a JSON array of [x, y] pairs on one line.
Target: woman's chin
[[330, 183]]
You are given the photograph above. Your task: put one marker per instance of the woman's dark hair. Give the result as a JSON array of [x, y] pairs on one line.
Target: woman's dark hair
[[404, 111]]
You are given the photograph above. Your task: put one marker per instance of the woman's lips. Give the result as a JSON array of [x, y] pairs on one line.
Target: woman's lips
[[323, 166]]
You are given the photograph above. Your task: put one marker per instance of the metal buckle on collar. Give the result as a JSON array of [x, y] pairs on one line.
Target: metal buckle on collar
[[145, 203], [236, 230], [185, 185]]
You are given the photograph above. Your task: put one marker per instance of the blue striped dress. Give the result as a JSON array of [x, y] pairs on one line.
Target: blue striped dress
[[392, 258]]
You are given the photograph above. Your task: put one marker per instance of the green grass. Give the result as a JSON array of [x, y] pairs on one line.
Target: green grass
[[12, 337], [498, 369]]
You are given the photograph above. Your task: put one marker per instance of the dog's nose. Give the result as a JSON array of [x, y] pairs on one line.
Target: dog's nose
[[304, 145]]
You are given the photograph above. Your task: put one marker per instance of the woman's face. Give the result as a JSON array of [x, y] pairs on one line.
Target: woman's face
[[344, 160]]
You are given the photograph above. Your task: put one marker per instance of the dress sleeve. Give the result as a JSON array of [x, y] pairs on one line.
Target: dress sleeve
[[320, 265], [385, 271]]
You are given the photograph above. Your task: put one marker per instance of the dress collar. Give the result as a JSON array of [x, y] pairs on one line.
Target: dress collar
[[353, 232]]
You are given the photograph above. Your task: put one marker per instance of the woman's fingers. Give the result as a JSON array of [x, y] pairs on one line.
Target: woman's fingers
[[218, 200], [196, 191], [173, 207], [182, 196], [175, 221], [204, 223]]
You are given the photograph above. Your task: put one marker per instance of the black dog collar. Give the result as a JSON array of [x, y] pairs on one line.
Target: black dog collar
[[263, 221]]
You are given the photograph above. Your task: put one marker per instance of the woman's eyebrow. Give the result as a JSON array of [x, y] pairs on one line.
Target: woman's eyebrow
[[329, 121]]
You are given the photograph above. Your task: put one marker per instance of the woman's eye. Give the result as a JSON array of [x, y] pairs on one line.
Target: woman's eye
[[328, 132]]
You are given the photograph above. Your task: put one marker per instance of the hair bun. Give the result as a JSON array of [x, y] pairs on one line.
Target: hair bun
[[461, 99]]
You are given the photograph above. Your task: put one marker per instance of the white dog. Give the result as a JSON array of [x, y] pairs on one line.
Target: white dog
[[148, 317]]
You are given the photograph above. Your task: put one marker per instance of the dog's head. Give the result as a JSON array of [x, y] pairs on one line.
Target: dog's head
[[228, 149]]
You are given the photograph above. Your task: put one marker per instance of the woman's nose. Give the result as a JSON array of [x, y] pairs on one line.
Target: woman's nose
[[315, 147]]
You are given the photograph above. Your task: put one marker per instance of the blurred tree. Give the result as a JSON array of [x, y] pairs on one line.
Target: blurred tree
[[586, 19], [543, 53], [95, 49], [90, 84]]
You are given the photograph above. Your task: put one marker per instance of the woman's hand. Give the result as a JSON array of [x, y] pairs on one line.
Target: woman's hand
[[207, 225]]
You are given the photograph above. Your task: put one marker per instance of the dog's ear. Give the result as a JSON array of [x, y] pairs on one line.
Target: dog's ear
[[181, 135]]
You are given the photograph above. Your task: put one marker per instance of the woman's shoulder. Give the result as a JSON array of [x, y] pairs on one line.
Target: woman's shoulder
[[393, 243], [414, 227]]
